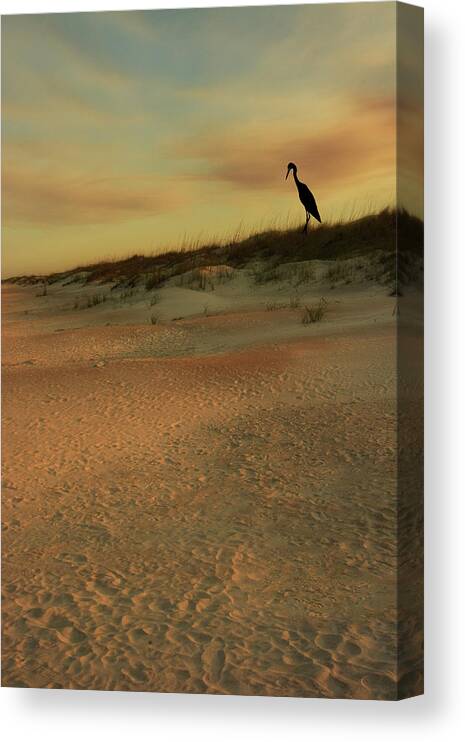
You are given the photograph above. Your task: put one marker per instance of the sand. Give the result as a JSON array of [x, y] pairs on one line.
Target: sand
[[205, 504]]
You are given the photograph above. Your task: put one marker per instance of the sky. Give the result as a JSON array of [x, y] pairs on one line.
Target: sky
[[130, 132]]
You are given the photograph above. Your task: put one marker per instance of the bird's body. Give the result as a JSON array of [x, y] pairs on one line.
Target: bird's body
[[306, 197]]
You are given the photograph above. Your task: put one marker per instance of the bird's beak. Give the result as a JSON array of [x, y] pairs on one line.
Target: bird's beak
[[287, 174]]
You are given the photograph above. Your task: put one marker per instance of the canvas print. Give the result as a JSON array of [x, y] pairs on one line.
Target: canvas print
[[212, 318]]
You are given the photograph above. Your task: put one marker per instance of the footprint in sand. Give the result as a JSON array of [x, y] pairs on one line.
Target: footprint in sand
[[78, 559], [327, 641], [71, 635], [213, 661], [351, 649], [379, 685]]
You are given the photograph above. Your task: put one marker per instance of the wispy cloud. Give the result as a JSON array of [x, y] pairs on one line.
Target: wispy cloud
[[35, 198], [358, 143]]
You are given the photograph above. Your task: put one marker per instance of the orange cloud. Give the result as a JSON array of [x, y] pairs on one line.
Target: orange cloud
[[41, 198], [359, 145]]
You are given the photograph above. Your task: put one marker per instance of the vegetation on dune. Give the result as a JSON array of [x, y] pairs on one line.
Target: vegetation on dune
[[293, 303], [43, 291], [314, 313], [88, 302], [196, 279], [388, 246]]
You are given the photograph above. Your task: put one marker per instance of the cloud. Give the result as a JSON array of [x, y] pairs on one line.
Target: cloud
[[359, 143], [44, 199]]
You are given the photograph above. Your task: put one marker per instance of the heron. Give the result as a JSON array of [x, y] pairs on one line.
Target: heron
[[307, 198]]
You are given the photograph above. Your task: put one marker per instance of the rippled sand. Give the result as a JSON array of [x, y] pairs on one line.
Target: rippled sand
[[203, 506]]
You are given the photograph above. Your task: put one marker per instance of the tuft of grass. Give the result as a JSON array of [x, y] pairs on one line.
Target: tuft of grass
[[154, 319], [298, 274], [126, 294], [265, 274], [295, 274], [338, 272], [155, 280], [196, 279], [89, 301], [272, 306], [314, 313], [224, 274], [154, 299], [95, 299], [293, 303]]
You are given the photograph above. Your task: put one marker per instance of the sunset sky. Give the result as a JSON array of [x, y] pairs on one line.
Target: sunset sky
[[130, 132]]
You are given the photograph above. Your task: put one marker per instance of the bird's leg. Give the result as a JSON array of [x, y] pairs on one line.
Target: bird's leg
[[307, 219]]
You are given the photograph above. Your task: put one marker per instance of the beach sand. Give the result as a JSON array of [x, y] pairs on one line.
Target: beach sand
[[205, 504]]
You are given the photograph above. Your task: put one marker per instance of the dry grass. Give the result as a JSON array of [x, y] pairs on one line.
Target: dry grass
[[265, 273], [338, 272], [315, 312], [272, 306], [126, 294], [293, 303], [300, 274], [294, 273], [154, 280], [90, 301], [391, 240], [196, 279]]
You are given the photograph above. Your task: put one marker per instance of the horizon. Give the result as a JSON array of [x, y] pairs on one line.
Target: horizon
[[236, 239], [118, 140], [235, 236]]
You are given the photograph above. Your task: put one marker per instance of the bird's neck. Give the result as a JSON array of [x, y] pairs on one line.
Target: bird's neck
[[297, 181]]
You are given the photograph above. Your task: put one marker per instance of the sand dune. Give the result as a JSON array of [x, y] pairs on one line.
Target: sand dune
[[200, 505]]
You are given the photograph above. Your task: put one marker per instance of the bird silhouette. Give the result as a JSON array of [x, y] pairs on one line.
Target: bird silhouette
[[306, 197]]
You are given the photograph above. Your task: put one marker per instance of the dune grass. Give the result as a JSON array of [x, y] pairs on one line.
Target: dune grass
[[88, 302], [391, 241], [315, 312], [44, 290]]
